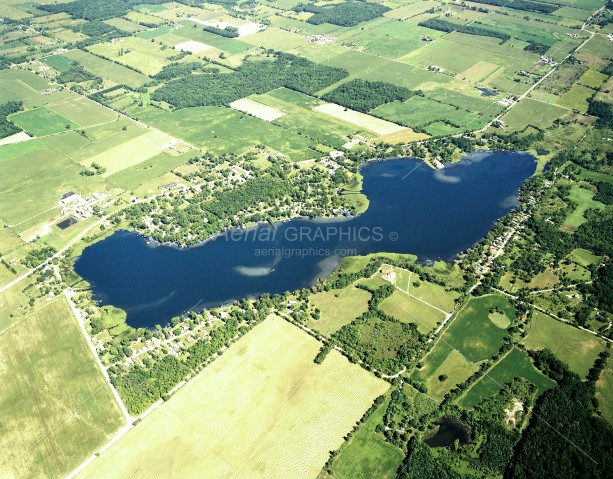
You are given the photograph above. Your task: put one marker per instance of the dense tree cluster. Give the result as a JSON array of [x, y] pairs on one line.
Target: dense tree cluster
[[525, 5], [536, 47], [95, 9], [99, 29], [38, 256], [228, 32], [362, 95], [254, 76], [7, 128], [445, 26], [76, 74], [604, 112], [176, 70], [346, 14], [604, 193], [565, 417]]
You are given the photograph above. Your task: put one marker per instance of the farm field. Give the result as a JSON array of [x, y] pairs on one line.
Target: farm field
[[361, 120], [285, 399], [42, 122], [117, 74], [532, 112], [53, 393], [578, 349], [339, 307]]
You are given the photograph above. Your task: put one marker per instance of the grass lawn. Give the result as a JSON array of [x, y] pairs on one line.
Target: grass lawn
[[578, 349], [42, 121], [410, 310], [56, 406], [367, 455], [338, 308], [262, 410], [516, 363], [583, 257], [473, 333]]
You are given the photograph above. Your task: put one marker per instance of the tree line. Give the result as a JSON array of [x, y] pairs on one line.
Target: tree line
[[346, 14], [445, 26], [525, 5]]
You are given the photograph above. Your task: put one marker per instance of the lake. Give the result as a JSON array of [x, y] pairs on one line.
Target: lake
[[434, 214]]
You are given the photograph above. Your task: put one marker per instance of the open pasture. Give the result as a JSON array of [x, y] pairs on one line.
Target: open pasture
[[20, 85], [251, 413], [604, 390], [338, 308], [52, 393], [275, 38], [576, 98], [577, 348]]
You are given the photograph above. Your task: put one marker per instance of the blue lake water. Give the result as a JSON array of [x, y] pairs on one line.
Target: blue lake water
[[434, 214]]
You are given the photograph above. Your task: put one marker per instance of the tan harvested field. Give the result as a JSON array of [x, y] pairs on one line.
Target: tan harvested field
[[192, 46], [262, 410], [16, 138], [362, 120], [259, 110]]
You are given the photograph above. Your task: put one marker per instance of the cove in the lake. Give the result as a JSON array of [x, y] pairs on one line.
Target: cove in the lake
[[434, 214]]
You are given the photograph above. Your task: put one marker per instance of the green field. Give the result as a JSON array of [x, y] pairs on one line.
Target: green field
[[42, 122], [532, 112], [585, 201], [419, 111], [516, 363], [410, 310], [264, 409], [338, 308], [222, 127], [443, 360], [578, 349], [367, 455], [52, 393], [118, 74], [473, 333]]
